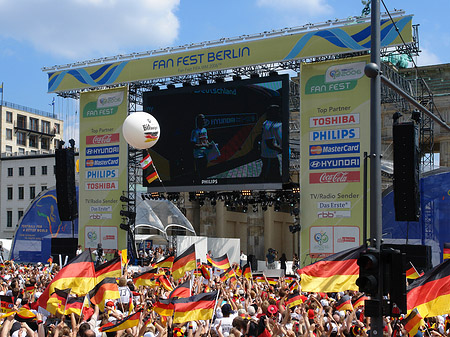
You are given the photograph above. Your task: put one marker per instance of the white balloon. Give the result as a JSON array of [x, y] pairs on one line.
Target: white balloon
[[141, 130]]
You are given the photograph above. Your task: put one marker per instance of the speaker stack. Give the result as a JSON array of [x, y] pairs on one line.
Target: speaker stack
[[65, 184]]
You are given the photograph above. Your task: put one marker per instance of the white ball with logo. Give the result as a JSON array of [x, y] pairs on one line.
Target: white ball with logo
[[141, 130]]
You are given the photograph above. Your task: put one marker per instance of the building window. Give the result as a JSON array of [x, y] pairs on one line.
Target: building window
[[8, 149], [8, 218], [44, 170], [57, 128], [19, 214], [21, 138], [10, 171], [45, 127], [32, 192], [33, 141], [34, 124], [21, 171], [10, 193], [43, 188], [8, 134], [32, 170], [21, 193], [21, 150], [9, 116], [21, 122], [56, 143], [45, 143]]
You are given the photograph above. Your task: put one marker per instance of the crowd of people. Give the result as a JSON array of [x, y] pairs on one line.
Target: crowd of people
[[254, 307]]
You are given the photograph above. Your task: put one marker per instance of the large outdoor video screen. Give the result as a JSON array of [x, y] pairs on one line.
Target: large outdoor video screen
[[222, 136]]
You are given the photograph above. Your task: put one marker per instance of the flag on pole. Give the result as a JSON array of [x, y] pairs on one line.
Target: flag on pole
[[111, 268], [166, 263], [184, 262], [122, 324], [164, 307], [57, 300], [183, 290], [412, 272], [197, 307], [149, 168], [446, 252], [294, 300], [220, 262], [106, 289], [413, 322], [247, 271], [345, 303]]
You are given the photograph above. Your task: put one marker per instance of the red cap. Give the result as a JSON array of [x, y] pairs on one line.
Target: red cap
[[272, 309], [311, 314]]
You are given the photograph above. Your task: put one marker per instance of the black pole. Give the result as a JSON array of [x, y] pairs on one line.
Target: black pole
[[365, 200]]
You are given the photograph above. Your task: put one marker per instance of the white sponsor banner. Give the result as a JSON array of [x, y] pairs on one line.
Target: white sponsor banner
[[100, 209], [321, 121], [334, 204], [100, 216], [334, 214], [101, 186]]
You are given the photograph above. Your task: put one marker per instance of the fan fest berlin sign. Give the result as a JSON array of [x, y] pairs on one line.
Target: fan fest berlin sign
[[335, 133], [103, 168], [291, 46]]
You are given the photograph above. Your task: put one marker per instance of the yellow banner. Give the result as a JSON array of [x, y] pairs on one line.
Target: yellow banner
[[335, 133], [307, 44], [103, 168]]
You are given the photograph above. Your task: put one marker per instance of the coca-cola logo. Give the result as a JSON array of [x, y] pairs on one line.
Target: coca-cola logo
[[103, 139], [334, 177]]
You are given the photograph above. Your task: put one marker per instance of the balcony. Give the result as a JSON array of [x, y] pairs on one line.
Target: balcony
[[22, 126]]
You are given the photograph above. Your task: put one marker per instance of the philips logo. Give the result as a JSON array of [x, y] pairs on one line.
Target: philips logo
[[102, 174], [102, 150], [317, 136], [102, 162], [345, 72], [345, 162], [338, 148]]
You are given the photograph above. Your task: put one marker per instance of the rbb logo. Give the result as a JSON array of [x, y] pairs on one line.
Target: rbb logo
[[325, 215], [95, 216]]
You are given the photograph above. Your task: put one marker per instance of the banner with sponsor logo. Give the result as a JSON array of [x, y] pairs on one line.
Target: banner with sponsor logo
[[103, 168], [299, 43], [335, 133]]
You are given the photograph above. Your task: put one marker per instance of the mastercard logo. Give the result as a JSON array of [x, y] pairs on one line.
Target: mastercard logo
[[89, 162], [315, 150]]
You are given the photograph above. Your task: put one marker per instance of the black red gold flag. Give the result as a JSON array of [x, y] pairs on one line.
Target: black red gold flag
[[227, 274], [164, 307], [78, 274], [446, 251], [25, 315], [149, 169], [147, 278], [412, 272], [220, 262], [413, 322], [344, 303], [75, 305], [184, 262], [205, 271], [57, 300], [6, 304], [163, 281], [183, 290], [360, 301], [294, 300], [247, 271], [111, 268], [335, 273], [106, 289], [122, 324], [197, 307], [430, 294], [166, 263]]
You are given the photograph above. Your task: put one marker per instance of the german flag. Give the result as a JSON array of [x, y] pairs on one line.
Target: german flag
[[50, 260], [446, 251], [30, 289], [220, 262], [413, 322], [184, 262], [25, 315], [294, 300], [293, 285], [430, 294], [272, 280], [146, 278], [360, 301], [57, 300], [412, 272], [78, 274], [149, 169], [344, 303], [112, 268], [165, 283], [204, 269], [122, 324], [6, 304], [197, 307], [238, 271], [104, 290], [75, 305], [335, 273], [164, 307], [247, 271], [166, 263], [227, 274], [183, 290]]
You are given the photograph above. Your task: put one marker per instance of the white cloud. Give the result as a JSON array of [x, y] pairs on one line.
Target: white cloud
[[88, 28], [426, 58], [305, 8]]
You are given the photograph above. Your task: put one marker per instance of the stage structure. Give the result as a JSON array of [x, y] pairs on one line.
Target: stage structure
[[252, 56]]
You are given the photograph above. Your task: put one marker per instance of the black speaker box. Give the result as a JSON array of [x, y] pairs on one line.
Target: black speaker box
[[418, 255], [66, 196], [64, 247], [406, 172]]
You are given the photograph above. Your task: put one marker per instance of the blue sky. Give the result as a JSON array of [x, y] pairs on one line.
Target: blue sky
[[36, 34]]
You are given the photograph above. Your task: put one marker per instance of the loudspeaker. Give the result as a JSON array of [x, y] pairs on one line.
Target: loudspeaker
[[406, 172], [66, 195], [65, 247], [253, 262], [418, 255]]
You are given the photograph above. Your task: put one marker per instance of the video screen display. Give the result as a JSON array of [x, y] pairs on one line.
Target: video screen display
[[222, 136]]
